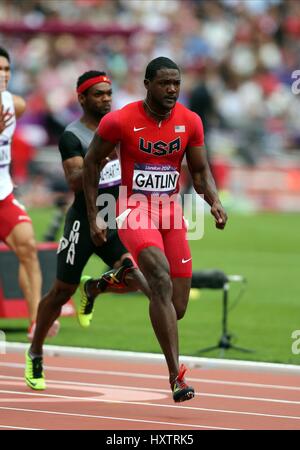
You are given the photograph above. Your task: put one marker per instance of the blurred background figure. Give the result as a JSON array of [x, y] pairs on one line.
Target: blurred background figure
[[16, 228], [238, 58]]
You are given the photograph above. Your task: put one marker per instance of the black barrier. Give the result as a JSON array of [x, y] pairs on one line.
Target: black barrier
[[12, 303]]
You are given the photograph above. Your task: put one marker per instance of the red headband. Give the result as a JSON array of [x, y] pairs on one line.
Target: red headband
[[88, 83]]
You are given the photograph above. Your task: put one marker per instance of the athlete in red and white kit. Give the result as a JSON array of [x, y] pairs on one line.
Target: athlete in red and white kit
[[153, 136], [15, 225]]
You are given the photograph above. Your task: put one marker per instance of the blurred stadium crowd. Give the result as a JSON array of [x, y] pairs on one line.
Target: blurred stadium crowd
[[237, 59]]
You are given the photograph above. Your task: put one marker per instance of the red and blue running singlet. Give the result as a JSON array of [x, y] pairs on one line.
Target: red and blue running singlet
[[150, 152]]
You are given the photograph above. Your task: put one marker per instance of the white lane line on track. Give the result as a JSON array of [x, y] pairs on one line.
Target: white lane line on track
[[156, 405], [158, 358], [158, 377], [11, 427], [164, 391], [90, 416]]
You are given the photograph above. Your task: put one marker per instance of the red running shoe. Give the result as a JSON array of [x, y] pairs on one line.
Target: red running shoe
[[181, 391], [116, 277]]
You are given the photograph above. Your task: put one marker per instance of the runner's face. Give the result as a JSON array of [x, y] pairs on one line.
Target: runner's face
[[4, 73], [98, 99], [164, 88]]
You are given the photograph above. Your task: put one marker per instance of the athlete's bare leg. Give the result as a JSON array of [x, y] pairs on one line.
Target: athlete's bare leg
[[181, 293], [134, 280], [155, 268], [48, 311], [22, 242], [26, 289]]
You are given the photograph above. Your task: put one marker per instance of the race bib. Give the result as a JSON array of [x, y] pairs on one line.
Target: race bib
[[110, 175], [4, 152], [154, 179]]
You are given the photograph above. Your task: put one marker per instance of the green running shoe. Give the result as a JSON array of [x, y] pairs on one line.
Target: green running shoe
[[34, 374], [85, 312]]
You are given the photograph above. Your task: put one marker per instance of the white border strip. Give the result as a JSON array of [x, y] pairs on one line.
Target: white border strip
[[191, 361]]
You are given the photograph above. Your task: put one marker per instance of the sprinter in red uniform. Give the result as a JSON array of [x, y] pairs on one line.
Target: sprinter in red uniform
[[153, 136]]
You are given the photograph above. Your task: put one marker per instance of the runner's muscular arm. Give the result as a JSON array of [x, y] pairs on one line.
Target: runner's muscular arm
[[5, 118], [94, 161], [72, 155], [20, 105], [73, 168], [5, 115], [204, 183]]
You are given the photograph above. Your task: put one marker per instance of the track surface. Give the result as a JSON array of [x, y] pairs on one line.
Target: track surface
[[113, 395]]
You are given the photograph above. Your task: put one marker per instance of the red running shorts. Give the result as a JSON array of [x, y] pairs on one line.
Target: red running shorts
[[163, 227], [11, 214]]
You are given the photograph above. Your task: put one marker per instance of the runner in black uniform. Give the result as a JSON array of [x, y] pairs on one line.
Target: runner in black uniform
[[72, 258], [76, 246]]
